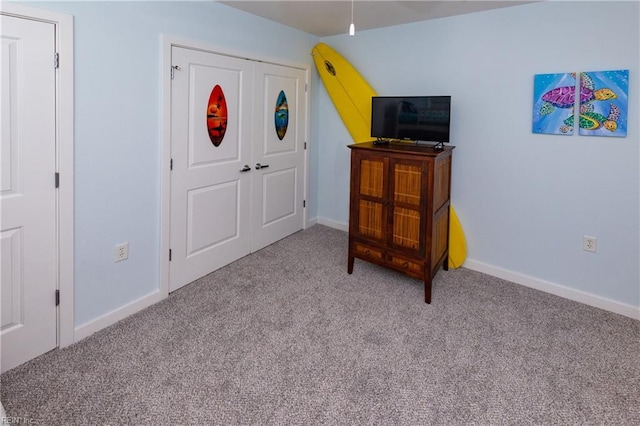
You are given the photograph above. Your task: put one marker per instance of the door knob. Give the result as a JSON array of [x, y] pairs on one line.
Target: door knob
[[261, 166], [246, 168]]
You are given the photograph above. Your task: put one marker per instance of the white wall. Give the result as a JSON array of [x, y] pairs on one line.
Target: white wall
[[118, 131], [524, 200]]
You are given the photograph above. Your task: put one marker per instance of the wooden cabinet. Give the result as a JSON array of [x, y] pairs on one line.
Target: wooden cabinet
[[399, 208]]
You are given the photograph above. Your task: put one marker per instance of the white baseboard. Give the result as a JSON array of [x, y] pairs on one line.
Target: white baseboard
[[110, 318], [342, 226], [556, 289], [311, 222]]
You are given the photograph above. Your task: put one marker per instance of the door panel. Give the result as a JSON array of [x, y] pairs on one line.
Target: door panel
[[407, 184], [12, 288], [406, 228], [28, 197], [408, 178], [278, 189], [371, 208], [371, 219], [204, 78], [216, 201], [211, 99], [372, 177]]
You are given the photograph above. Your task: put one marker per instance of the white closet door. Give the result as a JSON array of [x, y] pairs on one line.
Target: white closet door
[[278, 153], [210, 147]]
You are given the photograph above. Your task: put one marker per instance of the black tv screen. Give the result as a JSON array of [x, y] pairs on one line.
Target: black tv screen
[[419, 118]]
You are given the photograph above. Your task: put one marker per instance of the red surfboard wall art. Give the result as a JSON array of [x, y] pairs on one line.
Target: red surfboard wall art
[[217, 115], [281, 115]]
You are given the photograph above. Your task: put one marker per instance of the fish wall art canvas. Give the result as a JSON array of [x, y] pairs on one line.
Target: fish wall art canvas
[[603, 103], [553, 103]]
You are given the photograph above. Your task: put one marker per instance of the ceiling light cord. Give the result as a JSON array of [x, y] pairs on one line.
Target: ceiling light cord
[[352, 27]]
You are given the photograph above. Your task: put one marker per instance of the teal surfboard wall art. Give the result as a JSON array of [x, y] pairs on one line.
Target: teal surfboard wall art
[[281, 115]]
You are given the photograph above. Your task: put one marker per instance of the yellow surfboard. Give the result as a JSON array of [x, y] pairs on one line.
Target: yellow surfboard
[[351, 95], [349, 92], [457, 242]]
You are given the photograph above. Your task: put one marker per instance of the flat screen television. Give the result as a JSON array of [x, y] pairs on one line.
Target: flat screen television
[[418, 118]]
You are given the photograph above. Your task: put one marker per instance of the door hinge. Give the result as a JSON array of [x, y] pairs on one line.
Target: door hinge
[[169, 255], [305, 87], [57, 180], [171, 164], [305, 145], [57, 297], [173, 70], [304, 203], [56, 60]]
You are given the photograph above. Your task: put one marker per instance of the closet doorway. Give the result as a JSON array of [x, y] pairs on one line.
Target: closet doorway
[[237, 159]]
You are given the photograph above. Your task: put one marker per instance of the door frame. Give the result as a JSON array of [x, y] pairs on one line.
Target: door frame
[[168, 42], [64, 82]]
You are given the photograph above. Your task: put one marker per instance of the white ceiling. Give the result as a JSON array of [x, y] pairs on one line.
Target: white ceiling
[[330, 17]]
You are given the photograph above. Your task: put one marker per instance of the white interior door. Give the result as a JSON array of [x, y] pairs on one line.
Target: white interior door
[[278, 153], [210, 147], [28, 249]]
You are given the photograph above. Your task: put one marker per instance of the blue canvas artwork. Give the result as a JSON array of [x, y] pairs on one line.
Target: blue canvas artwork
[[553, 103], [603, 103]]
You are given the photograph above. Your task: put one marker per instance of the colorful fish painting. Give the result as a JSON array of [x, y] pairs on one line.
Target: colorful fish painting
[[281, 115], [216, 115], [608, 118]]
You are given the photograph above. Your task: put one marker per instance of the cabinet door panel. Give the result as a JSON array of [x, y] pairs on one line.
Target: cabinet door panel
[[406, 228], [370, 220], [407, 183], [372, 177], [407, 193]]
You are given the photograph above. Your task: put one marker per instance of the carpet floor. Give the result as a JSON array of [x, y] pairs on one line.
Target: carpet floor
[[286, 336]]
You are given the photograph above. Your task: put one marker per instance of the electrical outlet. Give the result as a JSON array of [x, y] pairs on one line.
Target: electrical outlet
[[589, 244], [121, 253]]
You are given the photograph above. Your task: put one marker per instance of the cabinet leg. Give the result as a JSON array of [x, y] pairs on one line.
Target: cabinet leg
[[427, 290], [350, 264]]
